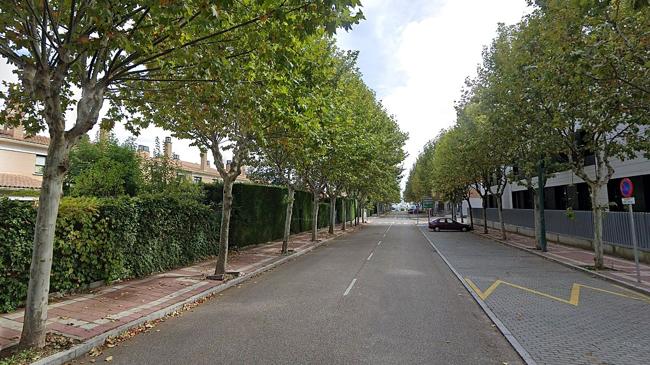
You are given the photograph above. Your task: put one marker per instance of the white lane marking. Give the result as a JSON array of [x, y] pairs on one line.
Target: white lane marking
[[378, 243], [369, 257], [347, 291]]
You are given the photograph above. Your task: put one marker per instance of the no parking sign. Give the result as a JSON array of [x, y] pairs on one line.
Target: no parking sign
[[627, 189]]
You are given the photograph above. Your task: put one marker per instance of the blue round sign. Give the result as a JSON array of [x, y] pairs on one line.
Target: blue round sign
[[627, 188]]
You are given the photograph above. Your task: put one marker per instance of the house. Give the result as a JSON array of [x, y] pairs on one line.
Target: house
[[196, 172], [22, 159]]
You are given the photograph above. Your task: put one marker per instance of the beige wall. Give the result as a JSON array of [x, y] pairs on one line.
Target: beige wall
[[20, 163], [20, 158]]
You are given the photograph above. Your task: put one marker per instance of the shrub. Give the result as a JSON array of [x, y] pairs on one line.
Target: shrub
[[105, 239], [259, 211]]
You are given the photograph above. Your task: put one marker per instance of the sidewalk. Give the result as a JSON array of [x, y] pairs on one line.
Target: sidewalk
[[85, 316], [620, 270]]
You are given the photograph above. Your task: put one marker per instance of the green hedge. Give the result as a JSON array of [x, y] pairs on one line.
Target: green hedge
[[263, 207], [109, 239]]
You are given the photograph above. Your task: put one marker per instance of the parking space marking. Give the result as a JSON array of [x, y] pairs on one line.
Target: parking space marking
[[574, 298]]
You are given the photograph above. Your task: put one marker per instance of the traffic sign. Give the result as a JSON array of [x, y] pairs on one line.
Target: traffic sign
[[628, 201], [627, 188], [427, 203]]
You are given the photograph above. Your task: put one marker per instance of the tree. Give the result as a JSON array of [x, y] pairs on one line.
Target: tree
[[104, 168], [59, 47], [282, 147], [597, 105]]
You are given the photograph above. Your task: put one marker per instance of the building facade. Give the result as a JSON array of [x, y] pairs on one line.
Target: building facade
[[22, 159], [565, 190], [196, 172]]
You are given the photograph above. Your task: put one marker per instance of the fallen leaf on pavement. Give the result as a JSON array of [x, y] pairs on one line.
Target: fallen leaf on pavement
[[110, 358], [94, 352]]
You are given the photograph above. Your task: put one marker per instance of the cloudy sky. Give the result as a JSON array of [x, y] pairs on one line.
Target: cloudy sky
[[415, 54]]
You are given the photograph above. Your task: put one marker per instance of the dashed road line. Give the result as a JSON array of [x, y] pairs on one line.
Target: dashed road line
[[369, 257], [347, 291], [379, 243]]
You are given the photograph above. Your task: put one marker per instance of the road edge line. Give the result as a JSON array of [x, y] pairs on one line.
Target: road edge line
[[624, 284], [81, 349], [521, 351]]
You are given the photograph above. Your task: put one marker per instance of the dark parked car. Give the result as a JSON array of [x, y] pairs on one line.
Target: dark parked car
[[448, 224]]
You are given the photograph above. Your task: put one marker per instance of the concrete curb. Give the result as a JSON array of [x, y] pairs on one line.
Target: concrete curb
[[622, 283], [84, 347], [523, 353]]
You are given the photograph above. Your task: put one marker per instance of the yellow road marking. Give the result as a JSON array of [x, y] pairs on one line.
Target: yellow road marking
[[574, 298]]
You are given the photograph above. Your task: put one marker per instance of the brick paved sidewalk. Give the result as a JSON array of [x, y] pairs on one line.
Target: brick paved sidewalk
[[88, 315], [623, 270]]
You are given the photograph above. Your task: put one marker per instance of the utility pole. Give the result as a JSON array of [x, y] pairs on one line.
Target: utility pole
[[541, 182]]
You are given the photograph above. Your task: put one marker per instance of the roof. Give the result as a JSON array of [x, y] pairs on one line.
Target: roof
[[18, 181], [195, 167], [42, 140]]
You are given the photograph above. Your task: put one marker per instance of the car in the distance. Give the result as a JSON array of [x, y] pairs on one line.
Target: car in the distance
[[448, 224]]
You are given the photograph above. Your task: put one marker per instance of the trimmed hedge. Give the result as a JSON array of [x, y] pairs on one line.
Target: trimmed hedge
[[104, 239], [263, 207], [110, 239]]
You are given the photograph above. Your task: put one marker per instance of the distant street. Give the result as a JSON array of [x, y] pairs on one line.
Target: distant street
[[379, 296]]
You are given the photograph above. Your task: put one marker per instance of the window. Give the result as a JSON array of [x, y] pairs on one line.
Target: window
[[40, 165], [197, 179]]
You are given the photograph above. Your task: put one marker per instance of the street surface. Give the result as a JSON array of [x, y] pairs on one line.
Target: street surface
[[559, 315], [378, 296]]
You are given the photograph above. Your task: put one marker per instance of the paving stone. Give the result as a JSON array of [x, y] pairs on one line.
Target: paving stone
[[602, 329]]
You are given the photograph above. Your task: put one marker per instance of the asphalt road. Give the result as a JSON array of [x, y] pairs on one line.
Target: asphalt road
[[351, 301]]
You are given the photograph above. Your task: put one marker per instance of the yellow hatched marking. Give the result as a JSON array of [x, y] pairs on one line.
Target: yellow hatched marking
[[574, 298]]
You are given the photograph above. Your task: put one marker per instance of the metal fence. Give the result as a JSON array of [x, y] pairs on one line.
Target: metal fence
[[616, 225]]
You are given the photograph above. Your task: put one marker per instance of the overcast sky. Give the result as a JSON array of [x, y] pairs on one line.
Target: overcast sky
[[415, 54]]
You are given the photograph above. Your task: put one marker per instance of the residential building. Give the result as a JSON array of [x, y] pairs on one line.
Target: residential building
[[566, 190], [22, 158], [196, 172]]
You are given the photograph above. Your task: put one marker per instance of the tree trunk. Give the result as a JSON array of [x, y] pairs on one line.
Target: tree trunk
[[222, 259], [287, 219], [485, 229], [35, 317], [314, 218], [343, 215], [471, 214], [332, 214], [501, 222], [597, 212]]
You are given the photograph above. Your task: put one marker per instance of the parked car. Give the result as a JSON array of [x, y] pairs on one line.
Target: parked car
[[448, 224]]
